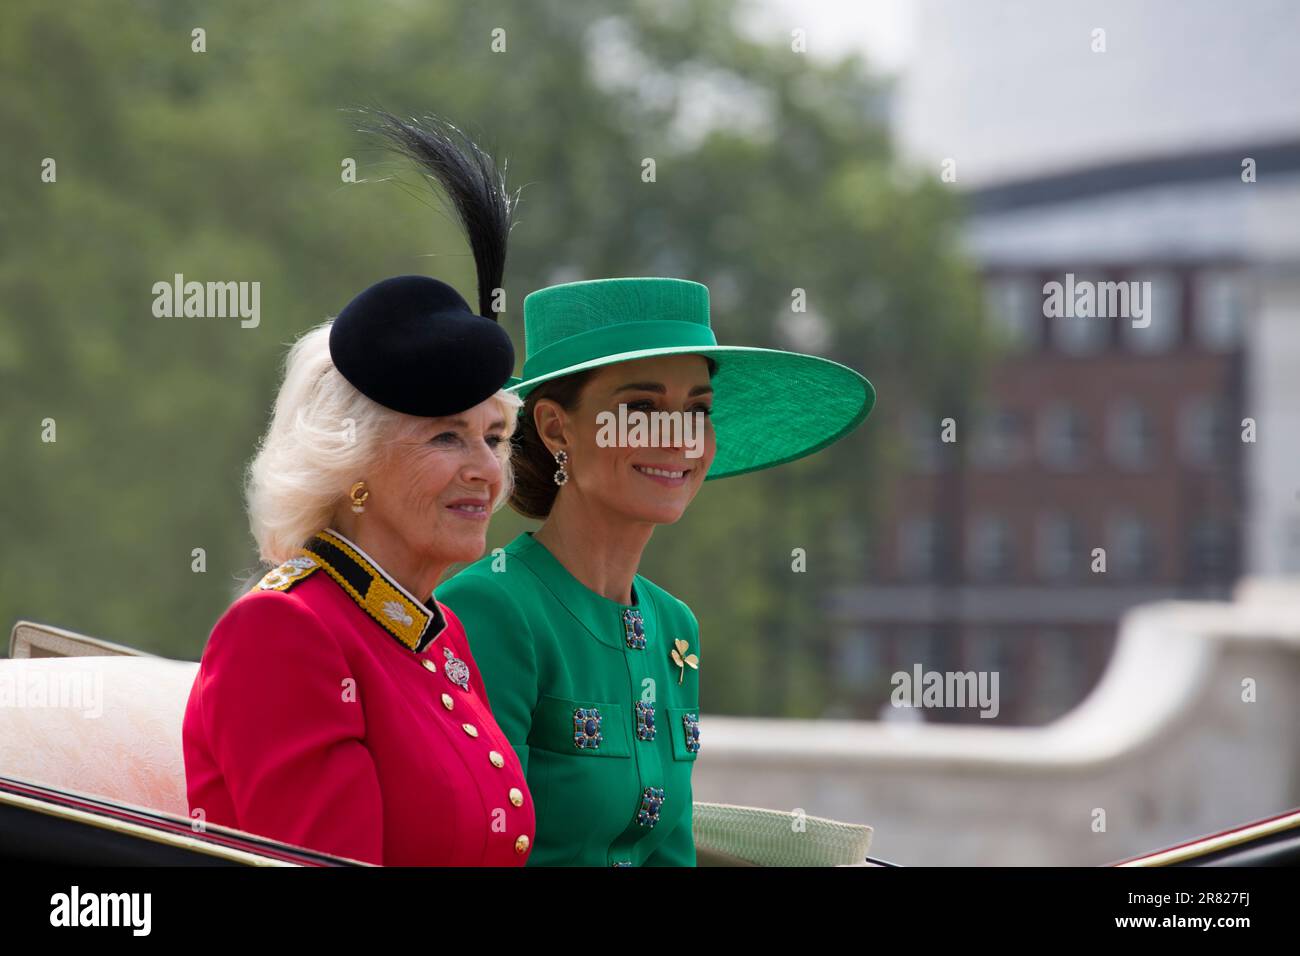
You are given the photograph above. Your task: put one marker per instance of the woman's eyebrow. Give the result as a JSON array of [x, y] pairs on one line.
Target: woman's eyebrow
[[657, 387], [641, 387], [464, 423]]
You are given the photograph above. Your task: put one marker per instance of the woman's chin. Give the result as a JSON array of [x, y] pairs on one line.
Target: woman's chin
[[663, 515], [463, 548]]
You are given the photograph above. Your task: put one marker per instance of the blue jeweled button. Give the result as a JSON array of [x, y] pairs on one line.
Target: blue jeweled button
[[645, 721], [652, 798], [691, 724], [633, 629], [586, 728]]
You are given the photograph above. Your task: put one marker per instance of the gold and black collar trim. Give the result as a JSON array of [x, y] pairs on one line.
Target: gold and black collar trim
[[393, 607]]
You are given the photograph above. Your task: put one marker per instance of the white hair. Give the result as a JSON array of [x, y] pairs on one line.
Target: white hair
[[324, 435]]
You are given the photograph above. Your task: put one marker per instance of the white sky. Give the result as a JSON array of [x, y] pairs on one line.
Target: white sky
[[1009, 88], [882, 29]]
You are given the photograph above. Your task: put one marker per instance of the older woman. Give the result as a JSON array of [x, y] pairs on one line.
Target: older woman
[[338, 705], [593, 670]]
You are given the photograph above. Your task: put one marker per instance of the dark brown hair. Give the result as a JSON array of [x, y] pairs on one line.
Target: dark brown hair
[[534, 466]]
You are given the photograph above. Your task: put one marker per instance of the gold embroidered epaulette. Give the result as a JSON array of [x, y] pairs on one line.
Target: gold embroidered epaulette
[[288, 574]]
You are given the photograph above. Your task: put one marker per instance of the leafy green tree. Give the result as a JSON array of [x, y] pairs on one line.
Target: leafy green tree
[[773, 172]]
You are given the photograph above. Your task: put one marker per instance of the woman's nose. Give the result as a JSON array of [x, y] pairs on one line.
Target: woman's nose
[[484, 463]]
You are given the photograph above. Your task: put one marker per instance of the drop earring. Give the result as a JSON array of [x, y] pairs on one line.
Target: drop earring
[[359, 494], [561, 459]]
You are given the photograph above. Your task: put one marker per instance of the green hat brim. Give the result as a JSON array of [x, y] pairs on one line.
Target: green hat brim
[[769, 406]]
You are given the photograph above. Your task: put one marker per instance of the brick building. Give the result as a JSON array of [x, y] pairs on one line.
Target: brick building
[[1121, 433]]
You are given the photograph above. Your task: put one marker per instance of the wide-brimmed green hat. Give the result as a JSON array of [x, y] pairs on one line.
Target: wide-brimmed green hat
[[769, 406]]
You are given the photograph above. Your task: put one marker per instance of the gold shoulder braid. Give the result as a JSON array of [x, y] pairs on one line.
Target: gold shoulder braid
[[288, 574], [414, 624]]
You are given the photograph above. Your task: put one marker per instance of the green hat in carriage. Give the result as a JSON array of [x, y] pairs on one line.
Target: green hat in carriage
[[769, 406]]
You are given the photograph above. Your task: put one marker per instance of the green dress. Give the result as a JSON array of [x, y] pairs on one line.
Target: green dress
[[587, 690]]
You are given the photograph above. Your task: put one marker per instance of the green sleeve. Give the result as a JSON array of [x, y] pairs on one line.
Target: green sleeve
[[503, 650]]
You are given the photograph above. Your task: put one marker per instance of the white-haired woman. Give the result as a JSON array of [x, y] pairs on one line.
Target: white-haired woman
[[337, 705]]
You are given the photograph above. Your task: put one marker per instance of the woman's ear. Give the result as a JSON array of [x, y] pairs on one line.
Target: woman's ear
[[551, 423]]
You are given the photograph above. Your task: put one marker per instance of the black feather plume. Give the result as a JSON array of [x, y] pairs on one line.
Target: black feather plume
[[469, 179]]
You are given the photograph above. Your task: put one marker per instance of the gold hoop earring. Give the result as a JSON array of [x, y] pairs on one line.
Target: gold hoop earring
[[561, 459], [359, 494]]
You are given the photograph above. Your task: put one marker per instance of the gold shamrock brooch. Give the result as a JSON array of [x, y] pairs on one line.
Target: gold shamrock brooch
[[682, 659]]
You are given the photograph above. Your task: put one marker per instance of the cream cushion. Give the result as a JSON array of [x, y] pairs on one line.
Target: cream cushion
[[108, 726]]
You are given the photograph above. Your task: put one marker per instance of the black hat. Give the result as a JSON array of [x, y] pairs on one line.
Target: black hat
[[412, 343]]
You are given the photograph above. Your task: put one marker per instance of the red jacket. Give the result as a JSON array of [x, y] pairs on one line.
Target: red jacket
[[326, 713]]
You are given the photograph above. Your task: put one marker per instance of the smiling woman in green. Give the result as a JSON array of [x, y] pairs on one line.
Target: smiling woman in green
[[592, 671]]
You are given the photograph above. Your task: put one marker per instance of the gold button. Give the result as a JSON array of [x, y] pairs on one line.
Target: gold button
[[447, 701], [429, 665], [521, 845], [516, 796], [497, 759], [470, 729]]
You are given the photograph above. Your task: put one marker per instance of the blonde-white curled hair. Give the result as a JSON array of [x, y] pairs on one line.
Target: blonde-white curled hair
[[323, 436]]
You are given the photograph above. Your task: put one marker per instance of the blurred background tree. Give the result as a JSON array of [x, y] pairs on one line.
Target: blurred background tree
[[773, 173]]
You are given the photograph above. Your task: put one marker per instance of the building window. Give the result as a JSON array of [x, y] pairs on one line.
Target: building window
[[859, 657], [1081, 335], [1062, 437], [1060, 547], [988, 649], [1131, 544], [1163, 308], [1076, 334], [1012, 306], [1003, 651], [918, 547], [989, 548], [999, 439], [1211, 550], [1131, 436], [1221, 307], [918, 645], [1204, 433]]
